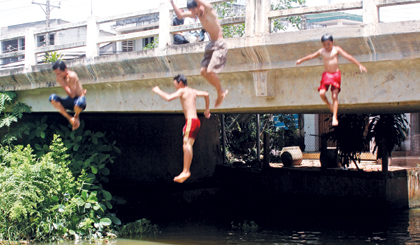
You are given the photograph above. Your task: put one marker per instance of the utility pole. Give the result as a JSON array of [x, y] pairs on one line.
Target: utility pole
[[47, 11]]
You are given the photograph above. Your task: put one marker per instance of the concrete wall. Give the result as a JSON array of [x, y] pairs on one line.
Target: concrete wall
[[260, 74]]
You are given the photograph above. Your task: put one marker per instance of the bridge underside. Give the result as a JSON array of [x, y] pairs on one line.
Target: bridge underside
[[260, 74]]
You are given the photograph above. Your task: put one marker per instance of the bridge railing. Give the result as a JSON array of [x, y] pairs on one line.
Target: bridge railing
[[257, 22]]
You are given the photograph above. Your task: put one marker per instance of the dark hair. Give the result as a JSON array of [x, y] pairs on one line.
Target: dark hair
[[59, 64], [327, 37], [191, 4], [181, 78]]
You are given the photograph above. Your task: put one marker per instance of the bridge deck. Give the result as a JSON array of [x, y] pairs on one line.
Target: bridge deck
[[260, 73]]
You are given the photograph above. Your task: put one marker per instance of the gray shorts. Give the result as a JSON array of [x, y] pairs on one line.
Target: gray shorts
[[215, 56]]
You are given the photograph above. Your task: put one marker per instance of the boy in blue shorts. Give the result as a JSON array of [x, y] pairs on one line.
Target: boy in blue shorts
[[75, 101]]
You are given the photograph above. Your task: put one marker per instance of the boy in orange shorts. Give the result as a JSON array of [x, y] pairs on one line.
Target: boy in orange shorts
[[332, 75], [187, 97]]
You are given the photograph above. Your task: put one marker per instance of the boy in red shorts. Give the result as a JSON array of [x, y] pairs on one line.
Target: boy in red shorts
[[187, 97], [331, 76]]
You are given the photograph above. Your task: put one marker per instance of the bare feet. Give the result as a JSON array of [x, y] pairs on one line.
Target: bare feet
[[220, 98], [334, 122], [182, 177], [75, 122]]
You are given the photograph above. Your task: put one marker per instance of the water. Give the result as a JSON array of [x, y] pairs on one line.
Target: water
[[398, 228]]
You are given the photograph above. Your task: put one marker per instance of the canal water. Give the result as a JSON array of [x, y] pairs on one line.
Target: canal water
[[397, 228]]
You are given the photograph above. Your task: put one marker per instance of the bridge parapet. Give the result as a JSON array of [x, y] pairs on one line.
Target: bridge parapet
[[261, 58]]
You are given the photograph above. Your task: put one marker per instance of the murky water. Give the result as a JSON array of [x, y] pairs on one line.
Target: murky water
[[398, 228]]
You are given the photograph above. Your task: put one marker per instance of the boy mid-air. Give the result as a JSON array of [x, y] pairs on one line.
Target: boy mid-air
[[215, 52], [332, 75], [75, 101], [187, 97]]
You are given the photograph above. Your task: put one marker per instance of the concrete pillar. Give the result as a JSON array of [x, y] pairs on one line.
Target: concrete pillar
[[92, 46], [256, 22], [119, 44], [164, 25], [370, 12], [415, 134], [30, 47]]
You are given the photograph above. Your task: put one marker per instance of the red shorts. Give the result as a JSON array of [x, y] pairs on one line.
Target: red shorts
[[191, 128], [331, 79]]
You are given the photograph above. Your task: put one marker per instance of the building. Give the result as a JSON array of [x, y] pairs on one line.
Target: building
[[56, 38]]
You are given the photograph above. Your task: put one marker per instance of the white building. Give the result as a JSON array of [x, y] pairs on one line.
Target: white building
[[56, 38]]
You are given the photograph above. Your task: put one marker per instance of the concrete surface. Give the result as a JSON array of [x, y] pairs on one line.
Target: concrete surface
[[260, 74]]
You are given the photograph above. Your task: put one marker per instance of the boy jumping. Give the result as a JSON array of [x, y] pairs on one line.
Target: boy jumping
[[187, 97], [75, 101], [215, 52], [332, 75]]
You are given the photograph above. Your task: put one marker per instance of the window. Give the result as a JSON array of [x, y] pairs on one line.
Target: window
[[128, 46], [147, 41], [41, 40]]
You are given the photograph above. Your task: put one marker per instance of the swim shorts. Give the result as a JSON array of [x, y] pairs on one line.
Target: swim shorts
[[192, 125], [215, 56], [332, 79], [69, 103]]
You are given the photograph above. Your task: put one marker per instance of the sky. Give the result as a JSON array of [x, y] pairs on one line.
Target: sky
[[14, 12]]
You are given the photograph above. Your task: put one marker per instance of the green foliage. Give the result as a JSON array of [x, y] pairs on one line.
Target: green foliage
[[14, 112], [393, 128], [41, 200], [229, 10], [51, 57], [245, 227], [153, 44], [241, 132], [138, 228], [349, 136], [296, 21], [90, 153]]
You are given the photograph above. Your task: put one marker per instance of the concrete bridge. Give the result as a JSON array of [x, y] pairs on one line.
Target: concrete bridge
[[260, 72]]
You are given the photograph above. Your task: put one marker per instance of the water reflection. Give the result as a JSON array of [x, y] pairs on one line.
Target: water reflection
[[398, 228]]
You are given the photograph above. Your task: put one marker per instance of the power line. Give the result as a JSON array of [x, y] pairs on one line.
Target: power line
[[1, 10], [47, 11]]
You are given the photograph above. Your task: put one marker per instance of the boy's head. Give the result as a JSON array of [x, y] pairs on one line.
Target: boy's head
[[180, 81], [59, 68], [327, 41], [194, 9]]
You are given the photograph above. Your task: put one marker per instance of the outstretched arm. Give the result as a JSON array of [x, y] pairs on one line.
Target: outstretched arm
[[309, 57], [179, 13], [207, 99], [166, 96], [352, 59]]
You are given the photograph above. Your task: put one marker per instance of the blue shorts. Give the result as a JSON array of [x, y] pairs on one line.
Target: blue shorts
[[69, 103]]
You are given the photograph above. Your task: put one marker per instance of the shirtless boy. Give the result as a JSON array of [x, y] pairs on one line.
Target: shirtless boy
[[332, 75], [215, 52], [187, 97], [75, 101]]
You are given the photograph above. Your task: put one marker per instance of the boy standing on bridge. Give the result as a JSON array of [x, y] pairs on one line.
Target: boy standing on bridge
[[215, 52], [75, 101], [332, 75], [187, 97]]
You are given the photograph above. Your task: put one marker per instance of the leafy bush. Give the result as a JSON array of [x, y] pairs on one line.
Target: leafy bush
[[41, 200], [51, 57], [90, 153], [138, 228], [349, 136], [14, 112]]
